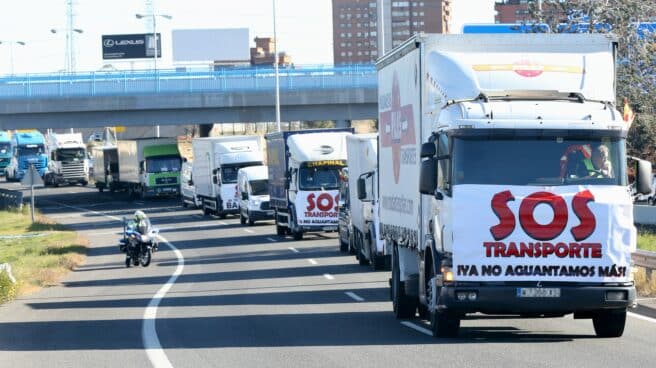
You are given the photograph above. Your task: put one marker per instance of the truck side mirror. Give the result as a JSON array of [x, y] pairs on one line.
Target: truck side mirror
[[362, 189], [244, 196], [215, 180], [190, 182], [428, 177], [643, 176], [428, 150]]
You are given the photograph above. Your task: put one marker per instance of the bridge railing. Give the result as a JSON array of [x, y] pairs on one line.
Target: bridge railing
[[116, 83]]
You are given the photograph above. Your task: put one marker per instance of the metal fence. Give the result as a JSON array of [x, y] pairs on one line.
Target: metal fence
[[10, 199], [175, 81]]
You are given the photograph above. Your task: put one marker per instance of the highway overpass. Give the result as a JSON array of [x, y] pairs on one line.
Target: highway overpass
[[171, 97]]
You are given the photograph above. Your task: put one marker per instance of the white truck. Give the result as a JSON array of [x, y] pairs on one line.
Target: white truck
[[216, 163], [149, 167], [68, 162], [253, 193], [362, 150], [304, 172], [187, 187], [519, 151]]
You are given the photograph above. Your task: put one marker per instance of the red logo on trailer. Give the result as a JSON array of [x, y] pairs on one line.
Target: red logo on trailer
[[397, 127]]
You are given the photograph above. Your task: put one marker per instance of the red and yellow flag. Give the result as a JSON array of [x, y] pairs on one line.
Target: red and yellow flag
[[628, 114]]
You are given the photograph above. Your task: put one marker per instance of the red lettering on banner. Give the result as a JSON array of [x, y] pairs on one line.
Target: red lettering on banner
[[325, 202], [532, 227], [582, 211], [506, 217], [311, 204]]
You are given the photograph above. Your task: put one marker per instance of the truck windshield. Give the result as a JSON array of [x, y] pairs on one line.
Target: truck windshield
[[319, 178], [31, 150], [70, 154], [539, 161], [229, 172], [259, 187], [4, 148], [163, 164]]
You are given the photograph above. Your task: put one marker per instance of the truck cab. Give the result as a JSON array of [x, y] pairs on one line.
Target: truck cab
[[5, 151], [304, 172], [253, 192], [27, 148], [68, 162]]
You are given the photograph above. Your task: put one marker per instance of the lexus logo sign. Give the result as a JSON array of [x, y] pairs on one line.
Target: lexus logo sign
[[131, 46], [108, 43]]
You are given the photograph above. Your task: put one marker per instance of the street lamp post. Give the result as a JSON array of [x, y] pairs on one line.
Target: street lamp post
[[275, 66], [154, 16], [11, 52], [70, 49]]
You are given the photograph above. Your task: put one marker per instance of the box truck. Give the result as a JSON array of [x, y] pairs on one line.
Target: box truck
[[304, 169], [5, 151], [362, 151], [148, 167], [68, 160], [503, 179], [105, 163], [216, 163], [253, 193]]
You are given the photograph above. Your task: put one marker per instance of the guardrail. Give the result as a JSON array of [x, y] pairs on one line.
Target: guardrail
[[645, 259], [190, 81], [10, 199]]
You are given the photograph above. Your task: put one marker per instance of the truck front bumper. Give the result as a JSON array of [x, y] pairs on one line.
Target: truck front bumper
[[317, 229], [259, 215], [163, 191], [506, 299]]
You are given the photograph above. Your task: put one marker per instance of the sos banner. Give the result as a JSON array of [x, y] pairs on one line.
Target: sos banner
[[317, 208], [572, 233]]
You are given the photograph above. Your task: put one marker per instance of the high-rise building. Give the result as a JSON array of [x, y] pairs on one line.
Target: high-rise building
[[362, 29]]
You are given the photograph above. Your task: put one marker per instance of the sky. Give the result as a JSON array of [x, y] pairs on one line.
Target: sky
[[304, 28]]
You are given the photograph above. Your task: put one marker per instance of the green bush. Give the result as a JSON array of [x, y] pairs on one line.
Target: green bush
[[7, 288]]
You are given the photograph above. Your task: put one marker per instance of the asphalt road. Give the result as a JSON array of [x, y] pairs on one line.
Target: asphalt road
[[244, 297]]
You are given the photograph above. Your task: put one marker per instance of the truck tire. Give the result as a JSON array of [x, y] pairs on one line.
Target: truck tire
[[298, 235], [442, 323], [280, 230], [101, 188], [343, 246], [242, 219], [377, 262], [403, 305], [251, 222], [609, 323]]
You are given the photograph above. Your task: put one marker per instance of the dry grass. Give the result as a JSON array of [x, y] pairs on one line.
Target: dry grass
[[39, 261], [644, 286]]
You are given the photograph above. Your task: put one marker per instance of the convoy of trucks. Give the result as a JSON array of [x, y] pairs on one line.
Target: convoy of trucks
[[27, 148], [518, 151], [216, 163], [304, 182], [148, 167], [5, 151], [67, 162], [253, 193]]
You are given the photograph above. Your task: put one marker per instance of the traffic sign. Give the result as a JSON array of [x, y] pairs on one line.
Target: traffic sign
[[32, 178]]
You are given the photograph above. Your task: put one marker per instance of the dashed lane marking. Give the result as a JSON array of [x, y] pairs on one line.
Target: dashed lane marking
[[293, 250], [328, 276], [249, 231], [354, 296], [271, 239], [312, 261], [413, 326]]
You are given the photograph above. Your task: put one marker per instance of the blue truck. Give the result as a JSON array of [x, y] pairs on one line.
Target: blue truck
[[5, 151], [27, 148]]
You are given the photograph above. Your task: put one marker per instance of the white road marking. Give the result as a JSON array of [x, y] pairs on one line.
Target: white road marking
[[223, 223], [413, 326], [151, 343], [312, 261], [71, 192], [271, 239], [249, 231], [293, 250], [354, 296], [149, 337], [640, 316], [328, 276], [90, 211]]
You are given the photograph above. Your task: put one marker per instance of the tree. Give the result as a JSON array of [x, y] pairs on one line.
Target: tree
[[636, 63]]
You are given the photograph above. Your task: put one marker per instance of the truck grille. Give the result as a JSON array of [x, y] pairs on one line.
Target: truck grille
[[38, 164], [265, 206], [4, 160], [169, 180], [73, 170]]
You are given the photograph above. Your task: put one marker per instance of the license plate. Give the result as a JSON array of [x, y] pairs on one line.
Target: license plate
[[538, 292]]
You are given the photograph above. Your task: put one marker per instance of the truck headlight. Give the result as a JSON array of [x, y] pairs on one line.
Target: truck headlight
[[257, 202]]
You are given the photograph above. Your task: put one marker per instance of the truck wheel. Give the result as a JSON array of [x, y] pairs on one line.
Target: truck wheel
[[206, 211], [377, 262], [443, 324], [280, 230], [343, 246], [101, 188], [298, 235], [223, 215], [142, 193], [242, 219], [404, 306], [609, 323], [251, 222]]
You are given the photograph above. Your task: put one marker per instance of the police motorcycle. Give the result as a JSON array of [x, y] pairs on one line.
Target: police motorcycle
[[137, 251]]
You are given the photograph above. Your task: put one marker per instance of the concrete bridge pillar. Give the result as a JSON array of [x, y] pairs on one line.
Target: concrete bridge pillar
[[342, 123]]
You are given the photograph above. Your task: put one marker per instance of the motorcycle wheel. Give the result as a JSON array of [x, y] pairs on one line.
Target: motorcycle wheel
[[145, 258]]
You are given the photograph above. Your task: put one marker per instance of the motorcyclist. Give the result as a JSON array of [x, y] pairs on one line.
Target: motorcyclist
[[143, 227]]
